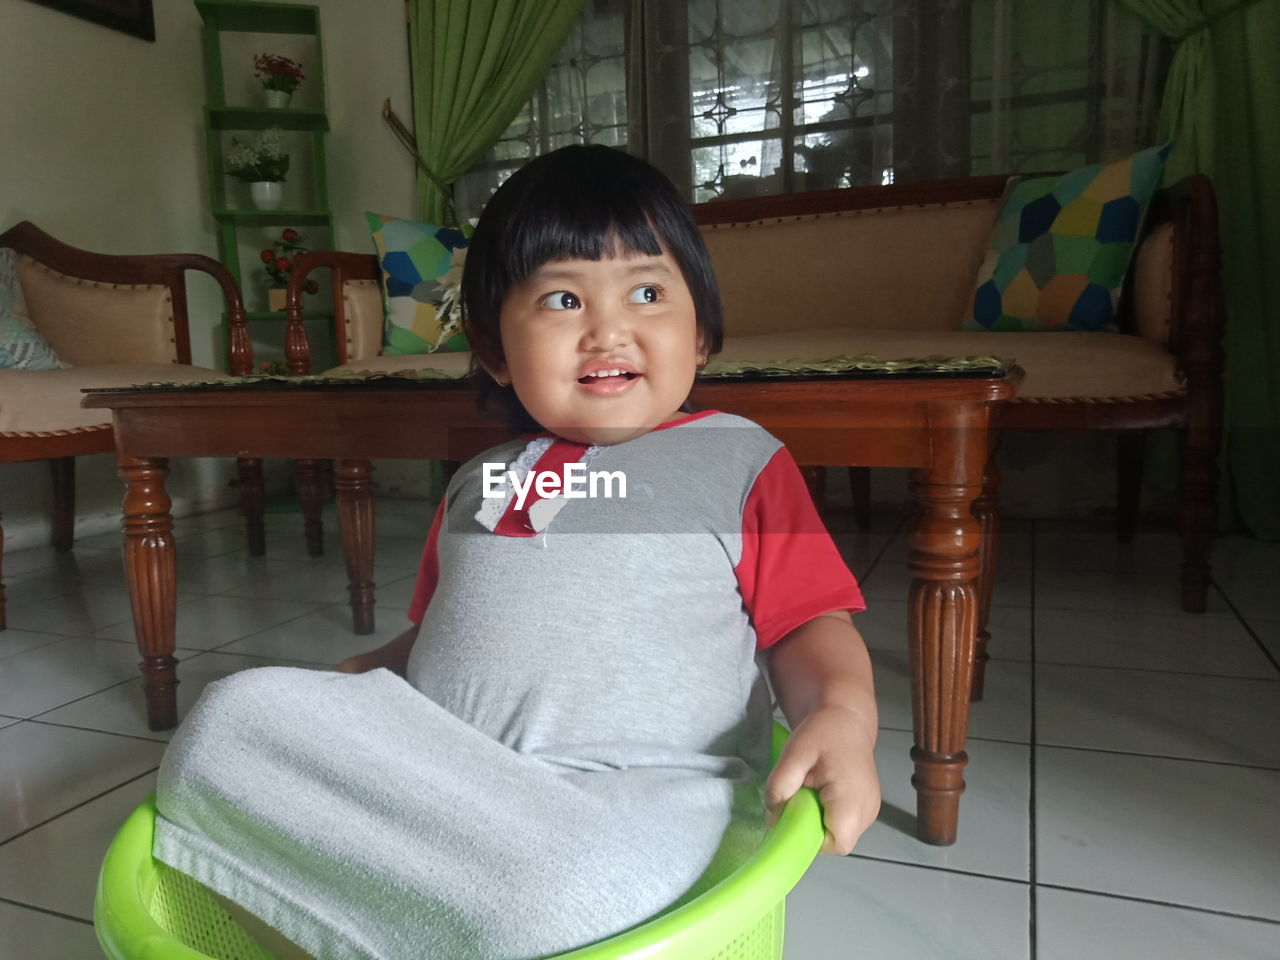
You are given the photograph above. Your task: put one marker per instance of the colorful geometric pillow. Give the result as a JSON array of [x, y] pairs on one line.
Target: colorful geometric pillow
[[421, 273], [1061, 247], [21, 346]]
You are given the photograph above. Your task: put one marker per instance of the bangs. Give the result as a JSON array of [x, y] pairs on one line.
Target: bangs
[[576, 203], [581, 217]]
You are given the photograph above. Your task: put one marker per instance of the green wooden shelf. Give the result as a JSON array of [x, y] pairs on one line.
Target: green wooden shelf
[[253, 16], [272, 218], [260, 118]]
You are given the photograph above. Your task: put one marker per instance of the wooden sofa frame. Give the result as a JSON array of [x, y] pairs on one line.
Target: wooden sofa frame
[[61, 448], [1196, 332]]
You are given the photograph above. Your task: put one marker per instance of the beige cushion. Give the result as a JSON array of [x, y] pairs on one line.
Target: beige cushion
[[364, 319], [459, 362], [1094, 366], [1153, 285], [902, 268], [48, 401], [87, 322]]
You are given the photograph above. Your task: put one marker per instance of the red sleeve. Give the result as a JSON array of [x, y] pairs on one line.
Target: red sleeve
[[428, 570], [790, 571]]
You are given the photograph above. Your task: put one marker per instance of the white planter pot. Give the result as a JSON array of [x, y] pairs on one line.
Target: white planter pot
[[278, 99], [266, 194]]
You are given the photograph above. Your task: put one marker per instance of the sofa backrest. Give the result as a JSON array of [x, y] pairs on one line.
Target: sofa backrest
[[88, 321], [901, 268], [901, 257], [362, 320], [898, 258], [1151, 285]]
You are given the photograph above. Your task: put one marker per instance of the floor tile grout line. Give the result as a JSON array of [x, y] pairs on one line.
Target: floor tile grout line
[[1104, 666], [1176, 673], [897, 531], [1104, 894], [1032, 863], [61, 725], [938, 868], [1160, 756], [82, 803], [1266, 651], [45, 910], [1159, 903], [1102, 750], [35, 718]]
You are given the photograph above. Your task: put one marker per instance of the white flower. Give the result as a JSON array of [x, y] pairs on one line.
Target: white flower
[[241, 154], [450, 312], [271, 142]]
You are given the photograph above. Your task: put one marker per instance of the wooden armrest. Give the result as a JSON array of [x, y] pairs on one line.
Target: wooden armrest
[[342, 267], [1197, 319], [163, 269]]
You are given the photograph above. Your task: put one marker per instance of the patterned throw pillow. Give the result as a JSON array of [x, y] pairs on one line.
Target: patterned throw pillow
[[21, 346], [421, 271], [1062, 245]]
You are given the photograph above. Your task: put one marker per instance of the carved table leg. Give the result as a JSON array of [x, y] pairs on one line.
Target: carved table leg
[[354, 495], [986, 510], [150, 567], [253, 500], [943, 617], [311, 497]]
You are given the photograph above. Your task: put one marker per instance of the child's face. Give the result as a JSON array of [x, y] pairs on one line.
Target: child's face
[[571, 322]]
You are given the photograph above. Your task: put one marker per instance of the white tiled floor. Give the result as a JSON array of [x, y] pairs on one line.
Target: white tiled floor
[[1124, 771]]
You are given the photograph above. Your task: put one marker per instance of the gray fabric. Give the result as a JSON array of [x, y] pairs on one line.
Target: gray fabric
[[584, 720]]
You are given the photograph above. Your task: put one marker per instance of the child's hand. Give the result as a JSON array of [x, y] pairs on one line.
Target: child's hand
[[831, 751], [393, 655]]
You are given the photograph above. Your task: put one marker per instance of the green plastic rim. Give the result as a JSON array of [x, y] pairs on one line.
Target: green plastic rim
[[697, 930]]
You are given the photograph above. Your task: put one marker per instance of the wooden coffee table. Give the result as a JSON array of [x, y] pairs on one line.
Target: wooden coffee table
[[935, 426]]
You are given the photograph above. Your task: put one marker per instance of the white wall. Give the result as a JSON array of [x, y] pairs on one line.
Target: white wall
[[104, 149]]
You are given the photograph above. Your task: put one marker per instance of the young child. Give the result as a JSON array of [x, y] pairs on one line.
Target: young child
[[573, 735]]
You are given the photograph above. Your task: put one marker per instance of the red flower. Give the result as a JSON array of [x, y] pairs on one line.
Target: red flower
[[272, 65], [312, 287], [267, 255], [282, 263], [289, 234]]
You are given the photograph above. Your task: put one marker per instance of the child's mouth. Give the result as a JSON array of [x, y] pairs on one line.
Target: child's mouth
[[607, 377], [608, 383]]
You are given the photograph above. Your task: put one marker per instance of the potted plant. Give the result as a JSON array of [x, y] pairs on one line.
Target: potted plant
[[262, 163], [280, 76], [278, 261]]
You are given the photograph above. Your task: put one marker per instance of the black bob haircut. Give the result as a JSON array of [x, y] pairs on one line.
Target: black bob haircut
[[575, 203]]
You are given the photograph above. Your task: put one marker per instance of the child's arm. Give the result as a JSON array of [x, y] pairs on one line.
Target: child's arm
[[822, 676], [393, 655]]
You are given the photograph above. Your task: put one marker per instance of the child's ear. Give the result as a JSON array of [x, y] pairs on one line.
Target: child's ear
[[702, 354], [498, 371]]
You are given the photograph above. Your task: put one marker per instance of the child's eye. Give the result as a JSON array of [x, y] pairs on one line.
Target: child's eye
[[646, 294], [561, 300]]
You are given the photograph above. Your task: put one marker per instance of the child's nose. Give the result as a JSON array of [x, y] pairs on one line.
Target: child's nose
[[607, 327]]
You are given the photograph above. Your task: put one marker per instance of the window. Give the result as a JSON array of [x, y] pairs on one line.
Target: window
[[747, 97]]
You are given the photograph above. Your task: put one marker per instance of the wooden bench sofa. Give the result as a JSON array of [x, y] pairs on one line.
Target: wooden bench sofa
[[114, 321], [888, 271]]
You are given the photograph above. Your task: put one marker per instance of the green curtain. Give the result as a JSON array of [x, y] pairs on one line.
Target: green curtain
[[474, 63], [1220, 108]]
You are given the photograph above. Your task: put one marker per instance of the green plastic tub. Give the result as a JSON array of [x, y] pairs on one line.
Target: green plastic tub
[[144, 910]]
